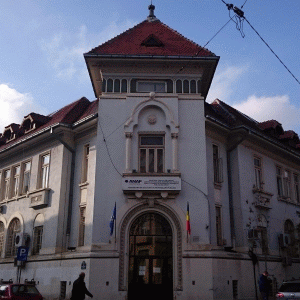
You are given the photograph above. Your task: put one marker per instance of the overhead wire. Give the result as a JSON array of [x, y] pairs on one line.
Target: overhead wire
[[241, 17]]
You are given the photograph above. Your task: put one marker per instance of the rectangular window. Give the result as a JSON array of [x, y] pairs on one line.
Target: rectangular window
[[151, 153], [81, 226], [85, 163], [16, 180], [217, 165], [26, 177], [219, 226], [6, 188], [37, 239], [287, 184], [258, 173], [151, 86], [44, 171], [279, 181], [296, 188]]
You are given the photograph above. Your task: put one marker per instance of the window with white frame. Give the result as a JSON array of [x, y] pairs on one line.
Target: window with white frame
[[279, 181], [85, 163], [1, 237], [217, 165], [44, 171], [6, 187], [258, 173], [219, 226], [13, 228], [296, 189], [26, 167], [82, 211], [151, 153], [16, 180], [287, 184]]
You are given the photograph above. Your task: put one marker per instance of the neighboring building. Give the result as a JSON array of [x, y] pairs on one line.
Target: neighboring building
[[151, 146]]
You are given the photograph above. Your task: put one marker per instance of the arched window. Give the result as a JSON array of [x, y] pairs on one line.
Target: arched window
[[289, 229], [193, 86], [13, 229], [124, 86], [110, 84], [186, 88], [178, 86], [117, 86], [1, 237], [38, 234]]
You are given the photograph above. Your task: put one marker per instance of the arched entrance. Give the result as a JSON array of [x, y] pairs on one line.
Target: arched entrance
[[150, 271]]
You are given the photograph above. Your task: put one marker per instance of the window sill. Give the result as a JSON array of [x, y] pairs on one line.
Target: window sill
[[218, 185], [287, 200], [152, 174], [83, 184]]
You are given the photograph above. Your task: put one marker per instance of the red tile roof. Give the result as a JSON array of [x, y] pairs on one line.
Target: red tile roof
[[151, 38], [269, 124], [69, 114]]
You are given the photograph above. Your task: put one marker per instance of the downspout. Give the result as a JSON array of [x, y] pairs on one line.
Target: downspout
[[230, 189], [72, 150]]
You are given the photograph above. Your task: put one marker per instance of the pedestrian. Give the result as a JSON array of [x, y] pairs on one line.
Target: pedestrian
[[79, 289], [264, 285]]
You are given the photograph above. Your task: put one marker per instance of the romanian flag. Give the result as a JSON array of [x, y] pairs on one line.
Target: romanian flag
[[188, 224]]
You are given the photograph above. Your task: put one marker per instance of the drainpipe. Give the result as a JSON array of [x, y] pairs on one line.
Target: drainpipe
[[72, 150], [245, 134]]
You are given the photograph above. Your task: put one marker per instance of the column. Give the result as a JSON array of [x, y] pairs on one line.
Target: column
[[174, 137], [128, 136]]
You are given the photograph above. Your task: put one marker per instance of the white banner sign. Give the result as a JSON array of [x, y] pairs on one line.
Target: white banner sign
[[151, 183]]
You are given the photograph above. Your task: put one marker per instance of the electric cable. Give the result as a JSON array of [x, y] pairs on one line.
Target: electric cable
[[272, 50], [240, 16], [104, 140]]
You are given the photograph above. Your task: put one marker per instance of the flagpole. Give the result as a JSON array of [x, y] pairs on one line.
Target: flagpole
[[115, 223]]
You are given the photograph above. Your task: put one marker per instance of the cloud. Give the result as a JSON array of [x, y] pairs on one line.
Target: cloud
[[14, 106], [277, 108], [224, 83], [65, 50]]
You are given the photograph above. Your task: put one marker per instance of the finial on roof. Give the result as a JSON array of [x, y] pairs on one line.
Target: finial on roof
[[151, 16]]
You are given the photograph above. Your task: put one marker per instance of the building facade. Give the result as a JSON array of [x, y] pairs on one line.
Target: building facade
[[151, 148]]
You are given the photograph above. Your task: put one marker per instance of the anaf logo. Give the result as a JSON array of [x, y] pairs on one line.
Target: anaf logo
[[133, 181]]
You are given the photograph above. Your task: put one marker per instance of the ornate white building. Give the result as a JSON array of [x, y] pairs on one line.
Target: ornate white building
[[149, 145]]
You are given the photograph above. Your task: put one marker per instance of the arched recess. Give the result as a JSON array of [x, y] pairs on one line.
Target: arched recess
[[170, 119], [126, 223], [2, 234], [170, 123], [38, 227]]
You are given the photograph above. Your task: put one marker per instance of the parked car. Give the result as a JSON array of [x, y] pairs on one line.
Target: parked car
[[19, 292], [289, 290]]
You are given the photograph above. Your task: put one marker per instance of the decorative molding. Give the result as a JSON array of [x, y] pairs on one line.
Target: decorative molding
[[177, 238]]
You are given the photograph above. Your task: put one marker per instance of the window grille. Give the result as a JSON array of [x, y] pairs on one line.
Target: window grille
[[258, 173], [44, 176], [26, 177], [85, 163], [235, 289]]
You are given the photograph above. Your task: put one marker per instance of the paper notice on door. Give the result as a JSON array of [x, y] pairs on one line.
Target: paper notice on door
[[142, 270], [156, 270]]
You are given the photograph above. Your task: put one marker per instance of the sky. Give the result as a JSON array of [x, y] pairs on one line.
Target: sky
[[42, 43]]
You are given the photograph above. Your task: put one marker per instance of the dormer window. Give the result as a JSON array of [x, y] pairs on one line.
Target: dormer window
[[151, 153], [28, 125]]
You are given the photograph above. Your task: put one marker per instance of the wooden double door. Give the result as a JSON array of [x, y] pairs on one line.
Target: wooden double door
[[150, 259]]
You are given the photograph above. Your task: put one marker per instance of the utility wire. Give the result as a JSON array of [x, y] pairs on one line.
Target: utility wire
[[104, 140], [272, 50], [244, 4], [241, 16]]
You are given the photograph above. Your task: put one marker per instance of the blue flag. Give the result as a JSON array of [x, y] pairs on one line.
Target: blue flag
[[112, 220]]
